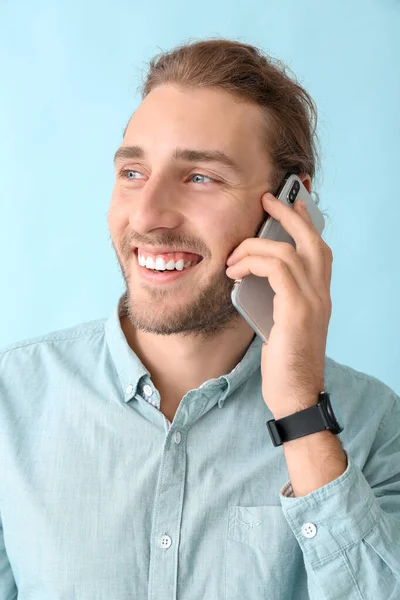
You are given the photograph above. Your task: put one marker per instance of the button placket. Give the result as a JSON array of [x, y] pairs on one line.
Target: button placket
[[165, 541]]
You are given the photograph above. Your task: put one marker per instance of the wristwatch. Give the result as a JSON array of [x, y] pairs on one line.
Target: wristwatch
[[323, 416]]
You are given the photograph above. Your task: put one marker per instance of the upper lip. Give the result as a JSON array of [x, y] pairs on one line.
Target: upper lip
[[157, 250]]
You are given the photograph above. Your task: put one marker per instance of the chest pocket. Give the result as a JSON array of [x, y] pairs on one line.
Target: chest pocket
[[263, 560]]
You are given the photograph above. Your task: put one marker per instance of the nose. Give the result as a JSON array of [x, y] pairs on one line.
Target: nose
[[155, 206]]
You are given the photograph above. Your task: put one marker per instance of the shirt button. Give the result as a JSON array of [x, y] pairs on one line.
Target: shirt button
[[129, 389], [178, 437], [309, 530], [165, 541], [147, 389]]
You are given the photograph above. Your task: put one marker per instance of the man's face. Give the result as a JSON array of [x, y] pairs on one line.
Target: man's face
[[199, 206]]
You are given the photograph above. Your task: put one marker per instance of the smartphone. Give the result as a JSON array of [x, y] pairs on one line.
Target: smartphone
[[253, 296]]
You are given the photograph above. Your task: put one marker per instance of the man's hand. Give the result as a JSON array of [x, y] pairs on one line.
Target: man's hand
[[292, 363]]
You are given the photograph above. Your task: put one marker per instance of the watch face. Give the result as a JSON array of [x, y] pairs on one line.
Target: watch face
[[334, 414]]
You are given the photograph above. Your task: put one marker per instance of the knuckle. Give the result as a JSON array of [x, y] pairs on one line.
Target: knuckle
[[279, 264], [288, 250], [329, 253], [317, 241], [322, 307], [321, 247]]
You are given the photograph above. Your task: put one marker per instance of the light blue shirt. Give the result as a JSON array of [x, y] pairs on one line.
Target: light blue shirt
[[102, 498]]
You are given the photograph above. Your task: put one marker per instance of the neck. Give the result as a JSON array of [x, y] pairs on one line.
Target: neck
[[179, 363]]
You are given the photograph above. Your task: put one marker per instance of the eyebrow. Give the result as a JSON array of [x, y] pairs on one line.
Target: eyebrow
[[187, 154]]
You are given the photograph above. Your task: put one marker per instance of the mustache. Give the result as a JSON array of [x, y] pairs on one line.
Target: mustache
[[164, 241]]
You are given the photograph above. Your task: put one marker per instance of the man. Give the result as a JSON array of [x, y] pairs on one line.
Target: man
[[136, 461]]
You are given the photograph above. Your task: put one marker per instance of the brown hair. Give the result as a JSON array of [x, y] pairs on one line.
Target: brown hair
[[290, 115]]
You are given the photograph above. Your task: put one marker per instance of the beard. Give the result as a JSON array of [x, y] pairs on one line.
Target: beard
[[197, 305], [186, 308]]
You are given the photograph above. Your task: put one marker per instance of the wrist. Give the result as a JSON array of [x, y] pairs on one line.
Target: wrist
[[305, 420], [282, 413]]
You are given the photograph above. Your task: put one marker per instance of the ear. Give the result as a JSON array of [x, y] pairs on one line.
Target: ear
[[306, 180]]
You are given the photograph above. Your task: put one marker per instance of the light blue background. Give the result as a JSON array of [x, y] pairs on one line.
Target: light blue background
[[69, 77]]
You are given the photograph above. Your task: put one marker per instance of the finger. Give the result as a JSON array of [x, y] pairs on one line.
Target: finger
[[282, 276], [259, 247], [301, 208], [325, 250], [313, 251], [292, 219], [295, 221]]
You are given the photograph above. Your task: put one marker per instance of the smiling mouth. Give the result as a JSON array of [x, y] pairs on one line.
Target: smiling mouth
[[162, 275], [166, 262]]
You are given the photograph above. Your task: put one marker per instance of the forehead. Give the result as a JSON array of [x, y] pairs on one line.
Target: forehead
[[203, 117]]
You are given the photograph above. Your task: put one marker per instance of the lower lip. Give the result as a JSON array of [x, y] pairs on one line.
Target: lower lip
[[165, 277]]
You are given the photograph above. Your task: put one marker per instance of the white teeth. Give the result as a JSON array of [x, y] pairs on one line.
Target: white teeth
[[160, 265], [150, 263]]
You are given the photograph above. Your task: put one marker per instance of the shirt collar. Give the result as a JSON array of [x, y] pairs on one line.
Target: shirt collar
[[131, 370]]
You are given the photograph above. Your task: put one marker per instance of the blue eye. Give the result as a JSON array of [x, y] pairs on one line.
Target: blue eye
[[200, 175], [124, 171]]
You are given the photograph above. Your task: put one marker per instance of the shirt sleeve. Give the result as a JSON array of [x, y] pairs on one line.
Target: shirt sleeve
[[349, 529], [8, 588]]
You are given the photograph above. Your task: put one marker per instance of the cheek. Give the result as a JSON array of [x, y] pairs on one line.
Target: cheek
[[118, 222], [222, 233], [256, 225], [118, 208], [235, 227], [112, 219]]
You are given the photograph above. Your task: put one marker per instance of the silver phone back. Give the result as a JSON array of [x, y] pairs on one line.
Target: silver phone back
[[253, 296]]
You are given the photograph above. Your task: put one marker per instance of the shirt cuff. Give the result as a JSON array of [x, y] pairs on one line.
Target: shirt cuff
[[331, 518], [287, 490]]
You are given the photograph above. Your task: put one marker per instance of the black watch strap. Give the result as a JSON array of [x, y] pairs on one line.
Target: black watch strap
[[304, 422]]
